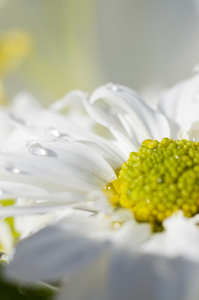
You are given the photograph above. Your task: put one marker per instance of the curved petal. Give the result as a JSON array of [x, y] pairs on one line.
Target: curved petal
[[126, 114], [180, 105], [71, 99]]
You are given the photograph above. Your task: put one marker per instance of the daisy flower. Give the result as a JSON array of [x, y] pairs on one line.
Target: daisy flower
[[138, 237]]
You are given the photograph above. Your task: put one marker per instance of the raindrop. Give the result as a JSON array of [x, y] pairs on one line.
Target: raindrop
[[10, 167], [37, 149], [67, 137], [116, 225], [29, 143], [53, 132], [113, 87], [4, 256], [57, 134]]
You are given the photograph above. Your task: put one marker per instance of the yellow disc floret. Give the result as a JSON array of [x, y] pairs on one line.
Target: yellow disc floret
[[159, 179]]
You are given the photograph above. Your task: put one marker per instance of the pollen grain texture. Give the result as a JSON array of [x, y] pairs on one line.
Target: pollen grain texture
[[159, 179]]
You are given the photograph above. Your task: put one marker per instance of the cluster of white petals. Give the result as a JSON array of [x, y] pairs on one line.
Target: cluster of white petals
[[59, 159]]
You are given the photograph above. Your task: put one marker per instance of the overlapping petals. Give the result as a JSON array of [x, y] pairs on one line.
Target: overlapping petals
[[61, 163]]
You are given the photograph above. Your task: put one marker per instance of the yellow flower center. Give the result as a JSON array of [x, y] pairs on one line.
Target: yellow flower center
[[159, 179]]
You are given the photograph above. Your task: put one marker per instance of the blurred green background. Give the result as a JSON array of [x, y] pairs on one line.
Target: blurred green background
[[145, 44]]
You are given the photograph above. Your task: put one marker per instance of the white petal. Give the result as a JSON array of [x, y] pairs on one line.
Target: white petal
[[72, 98], [52, 253], [89, 283], [65, 166], [13, 189], [108, 150], [180, 104], [32, 209], [127, 114], [193, 132], [180, 238], [152, 277]]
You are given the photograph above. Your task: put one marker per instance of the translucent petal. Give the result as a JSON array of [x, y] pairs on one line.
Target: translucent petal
[[126, 114], [52, 253], [180, 105]]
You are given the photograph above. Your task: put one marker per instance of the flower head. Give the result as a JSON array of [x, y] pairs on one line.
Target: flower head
[[61, 163]]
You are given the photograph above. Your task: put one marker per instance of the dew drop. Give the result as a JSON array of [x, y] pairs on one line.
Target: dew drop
[[112, 87], [37, 149], [10, 167], [53, 132], [116, 225], [4, 257], [29, 143]]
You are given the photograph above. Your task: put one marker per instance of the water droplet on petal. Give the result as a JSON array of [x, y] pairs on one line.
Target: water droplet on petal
[[29, 143], [116, 225], [37, 149], [4, 256], [11, 168], [53, 132], [112, 87]]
